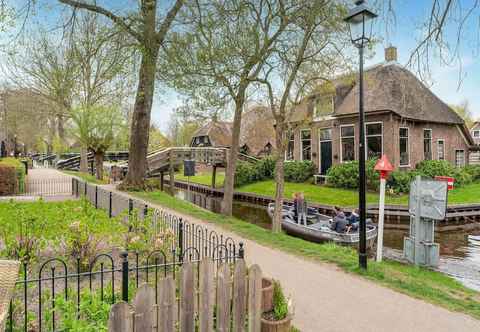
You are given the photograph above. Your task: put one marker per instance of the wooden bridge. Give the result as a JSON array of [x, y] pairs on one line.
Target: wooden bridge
[[170, 159]]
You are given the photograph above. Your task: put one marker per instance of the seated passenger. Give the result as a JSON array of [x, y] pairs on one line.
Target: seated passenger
[[339, 223], [354, 219]]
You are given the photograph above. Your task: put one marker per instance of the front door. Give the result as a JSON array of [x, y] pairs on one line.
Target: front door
[[325, 156], [325, 150]]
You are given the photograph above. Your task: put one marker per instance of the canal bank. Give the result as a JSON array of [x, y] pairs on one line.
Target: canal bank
[[459, 243]]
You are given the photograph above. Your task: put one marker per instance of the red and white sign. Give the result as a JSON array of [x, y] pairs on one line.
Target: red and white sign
[[450, 181], [383, 166]]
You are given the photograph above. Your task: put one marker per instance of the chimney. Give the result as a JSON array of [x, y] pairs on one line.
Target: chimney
[[391, 54]]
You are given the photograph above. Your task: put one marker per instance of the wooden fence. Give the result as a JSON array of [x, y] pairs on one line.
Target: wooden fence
[[235, 295]]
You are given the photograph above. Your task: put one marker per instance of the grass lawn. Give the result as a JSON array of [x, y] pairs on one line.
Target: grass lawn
[[421, 283], [333, 196], [203, 178], [87, 177]]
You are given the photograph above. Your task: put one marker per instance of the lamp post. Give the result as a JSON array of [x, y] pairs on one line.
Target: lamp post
[[360, 19]]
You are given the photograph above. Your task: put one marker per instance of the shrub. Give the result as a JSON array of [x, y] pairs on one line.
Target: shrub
[[399, 181], [12, 176], [280, 304], [298, 171], [346, 175], [247, 172], [432, 168], [474, 171]]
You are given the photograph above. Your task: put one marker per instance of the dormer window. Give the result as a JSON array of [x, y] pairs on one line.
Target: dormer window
[[324, 106], [476, 133]]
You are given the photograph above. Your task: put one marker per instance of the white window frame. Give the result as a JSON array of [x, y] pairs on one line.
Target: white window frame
[[408, 146], [288, 141], [341, 143], [464, 158], [443, 141], [320, 145], [431, 142], [476, 132], [366, 137], [301, 143]]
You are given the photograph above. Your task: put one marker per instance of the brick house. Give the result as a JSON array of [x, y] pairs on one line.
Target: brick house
[[404, 120]]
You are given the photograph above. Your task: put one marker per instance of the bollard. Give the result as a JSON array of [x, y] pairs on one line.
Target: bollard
[[125, 270], [96, 197]]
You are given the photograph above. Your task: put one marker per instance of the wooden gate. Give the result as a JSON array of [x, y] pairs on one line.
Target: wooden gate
[[235, 295]]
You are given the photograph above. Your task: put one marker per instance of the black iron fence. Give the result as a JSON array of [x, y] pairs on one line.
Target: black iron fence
[[48, 187], [114, 275]]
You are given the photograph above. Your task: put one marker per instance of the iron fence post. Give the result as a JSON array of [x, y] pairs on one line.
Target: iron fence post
[[130, 206], [241, 251], [96, 197], [125, 269], [73, 186], [180, 240], [110, 205], [145, 210]]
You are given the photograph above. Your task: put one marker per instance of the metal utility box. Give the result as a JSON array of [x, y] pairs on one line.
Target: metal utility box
[[189, 168], [427, 203]]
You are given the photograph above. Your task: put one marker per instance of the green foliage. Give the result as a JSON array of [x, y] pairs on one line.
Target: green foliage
[[93, 312], [298, 171], [432, 168], [30, 230], [248, 173], [399, 181], [19, 171], [346, 176], [280, 304]]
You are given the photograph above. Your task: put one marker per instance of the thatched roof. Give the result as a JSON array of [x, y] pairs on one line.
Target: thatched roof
[[388, 87], [219, 132], [257, 129]]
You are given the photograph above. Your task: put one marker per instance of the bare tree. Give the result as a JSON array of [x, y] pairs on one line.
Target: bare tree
[[311, 51], [148, 30], [222, 49]]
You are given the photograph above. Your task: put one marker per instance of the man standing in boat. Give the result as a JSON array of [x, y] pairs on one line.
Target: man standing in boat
[[300, 208]]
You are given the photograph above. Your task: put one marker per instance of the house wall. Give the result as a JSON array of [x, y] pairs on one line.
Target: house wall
[[474, 128], [451, 134]]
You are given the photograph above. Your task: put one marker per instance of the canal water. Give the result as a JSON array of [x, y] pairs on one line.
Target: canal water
[[459, 250]]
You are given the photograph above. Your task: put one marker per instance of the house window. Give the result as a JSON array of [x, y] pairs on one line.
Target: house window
[[374, 134], [290, 146], [476, 133], [427, 144], [347, 134], [441, 149], [325, 134], [459, 158], [324, 106], [404, 147], [306, 137]]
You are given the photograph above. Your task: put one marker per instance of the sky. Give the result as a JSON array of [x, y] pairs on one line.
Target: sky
[[453, 83]]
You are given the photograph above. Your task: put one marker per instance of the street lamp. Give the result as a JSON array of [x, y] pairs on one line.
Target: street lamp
[[360, 21]]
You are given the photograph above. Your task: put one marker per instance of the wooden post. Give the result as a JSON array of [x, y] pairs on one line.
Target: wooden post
[[214, 176], [172, 173], [162, 179]]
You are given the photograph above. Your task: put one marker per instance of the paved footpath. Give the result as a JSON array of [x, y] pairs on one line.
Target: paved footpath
[[328, 299]]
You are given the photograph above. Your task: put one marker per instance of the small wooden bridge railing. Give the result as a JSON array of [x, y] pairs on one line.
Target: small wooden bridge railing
[[236, 297]]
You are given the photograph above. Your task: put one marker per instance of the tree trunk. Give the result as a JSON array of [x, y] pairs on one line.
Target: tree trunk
[[99, 164], [83, 159], [61, 127], [279, 177], [137, 159], [227, 201]]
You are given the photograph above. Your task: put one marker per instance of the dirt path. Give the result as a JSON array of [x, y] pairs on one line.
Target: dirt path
[[328, 299]]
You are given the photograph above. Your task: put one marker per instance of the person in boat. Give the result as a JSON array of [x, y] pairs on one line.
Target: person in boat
[[354, 219], [301, 207], [295, 211], [339, 223]]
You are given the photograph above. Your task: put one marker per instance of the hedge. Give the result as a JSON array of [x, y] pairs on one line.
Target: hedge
[[12, 176], [346, 175], [294, 171]]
